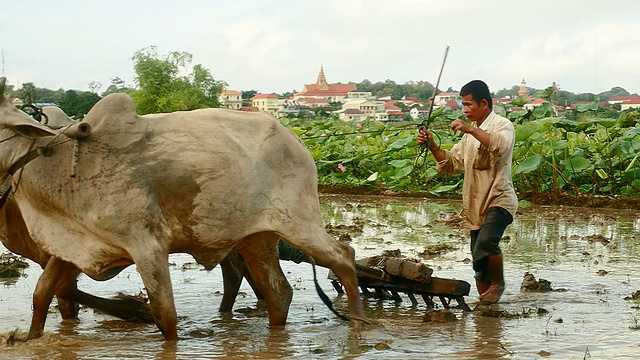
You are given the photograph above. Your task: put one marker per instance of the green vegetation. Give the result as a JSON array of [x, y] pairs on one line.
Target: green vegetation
[[587, 154], [163, 89], [590, 150]]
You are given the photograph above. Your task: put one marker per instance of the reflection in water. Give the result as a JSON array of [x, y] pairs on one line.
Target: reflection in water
[[566, 246], [487, 338]]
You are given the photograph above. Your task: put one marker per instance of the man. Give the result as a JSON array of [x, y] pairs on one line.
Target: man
[[489, 201]]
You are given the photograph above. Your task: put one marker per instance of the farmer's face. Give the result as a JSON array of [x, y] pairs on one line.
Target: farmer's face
[[475, 111]]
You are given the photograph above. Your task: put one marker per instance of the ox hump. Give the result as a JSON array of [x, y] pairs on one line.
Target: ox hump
[[117, 106]]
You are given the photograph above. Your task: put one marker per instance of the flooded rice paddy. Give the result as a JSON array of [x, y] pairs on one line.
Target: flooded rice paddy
[[591, 258]]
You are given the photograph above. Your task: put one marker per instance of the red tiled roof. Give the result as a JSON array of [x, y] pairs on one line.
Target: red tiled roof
[[452, 104], [313, 100], [501, 100], [231, 92], [332, 89], [250, 108], [632, 101], [538, 101], [389, 105], [624, 98], [264, 96]]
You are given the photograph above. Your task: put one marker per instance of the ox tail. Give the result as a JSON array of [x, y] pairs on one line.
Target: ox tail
[[325, 299]]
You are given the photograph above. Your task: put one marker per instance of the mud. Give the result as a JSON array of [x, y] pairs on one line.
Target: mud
[[12, 266], [595, 317]]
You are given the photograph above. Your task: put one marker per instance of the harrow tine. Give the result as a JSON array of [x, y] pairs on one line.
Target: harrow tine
[[444, 301], [411, 297], [429, 300]]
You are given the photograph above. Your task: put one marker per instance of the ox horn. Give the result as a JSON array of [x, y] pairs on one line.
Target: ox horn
[[78, 131]]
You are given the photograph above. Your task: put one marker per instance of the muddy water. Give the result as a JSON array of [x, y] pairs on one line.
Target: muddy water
[[571, 247]]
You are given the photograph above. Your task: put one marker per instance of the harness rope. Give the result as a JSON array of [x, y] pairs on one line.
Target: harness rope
[[31, 154]]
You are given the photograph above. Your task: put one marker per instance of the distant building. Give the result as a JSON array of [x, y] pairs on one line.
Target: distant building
[[230, 99], [622, 99], [290, 107], [447, 96], [368, 107], [323, 90], [390, 106], [357, 94], [452, 105], [523, 91], [266, 102], [632, 103], [312, 102], [396, 116], [382, 117], [534, 103], [352, 115], [419, 112]]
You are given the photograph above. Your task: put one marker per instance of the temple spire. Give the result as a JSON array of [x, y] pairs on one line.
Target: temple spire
[[523, 91], [322, 80]]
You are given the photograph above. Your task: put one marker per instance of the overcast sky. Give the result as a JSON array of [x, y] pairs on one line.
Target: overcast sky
[[279, 45]]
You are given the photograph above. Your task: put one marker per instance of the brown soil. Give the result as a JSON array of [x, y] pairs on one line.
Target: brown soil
[[554, 197]]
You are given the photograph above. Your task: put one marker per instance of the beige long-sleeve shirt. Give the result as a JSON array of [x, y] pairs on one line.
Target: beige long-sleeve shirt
[[487, 172]]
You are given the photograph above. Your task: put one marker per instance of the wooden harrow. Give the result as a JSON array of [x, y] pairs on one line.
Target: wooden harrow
[[384, 278]]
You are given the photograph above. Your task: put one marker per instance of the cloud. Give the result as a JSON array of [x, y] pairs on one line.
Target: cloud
[[598, 57]]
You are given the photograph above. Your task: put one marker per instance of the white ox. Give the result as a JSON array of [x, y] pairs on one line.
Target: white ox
[[15, 236], [199, 182]]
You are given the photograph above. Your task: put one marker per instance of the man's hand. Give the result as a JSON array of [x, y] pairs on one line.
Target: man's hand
[[424, 136], [461, 125]]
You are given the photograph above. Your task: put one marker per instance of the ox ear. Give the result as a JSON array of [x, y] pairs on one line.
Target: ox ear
[[33, 131]]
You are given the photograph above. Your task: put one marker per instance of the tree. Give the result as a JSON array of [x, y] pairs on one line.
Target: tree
[[423, 90], [248, 94], [615, 91], [28, 93], [512, 92], [162, 88], [77, 104], [397, 93], [287, 94], [94, 86], [401, 105], [117, 86]]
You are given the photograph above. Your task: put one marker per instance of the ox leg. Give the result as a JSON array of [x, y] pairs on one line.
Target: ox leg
[[340, 258], [232, 274], [233, 271], [55, 273], [154, 271], [67, 285], [68, 308], [260, 253]]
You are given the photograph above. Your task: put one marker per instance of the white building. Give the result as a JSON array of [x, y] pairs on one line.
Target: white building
[[230, 99]]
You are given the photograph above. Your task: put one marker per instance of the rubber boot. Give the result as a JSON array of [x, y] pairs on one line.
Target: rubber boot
[[496, 272], [482, 286]]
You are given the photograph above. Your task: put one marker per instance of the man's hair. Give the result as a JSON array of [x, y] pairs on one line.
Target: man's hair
[[478, 90]]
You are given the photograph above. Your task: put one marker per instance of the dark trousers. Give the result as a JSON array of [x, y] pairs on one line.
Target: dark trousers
[[486, 240]]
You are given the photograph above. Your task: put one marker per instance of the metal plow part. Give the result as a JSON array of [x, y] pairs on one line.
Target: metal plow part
[[384, 278]]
